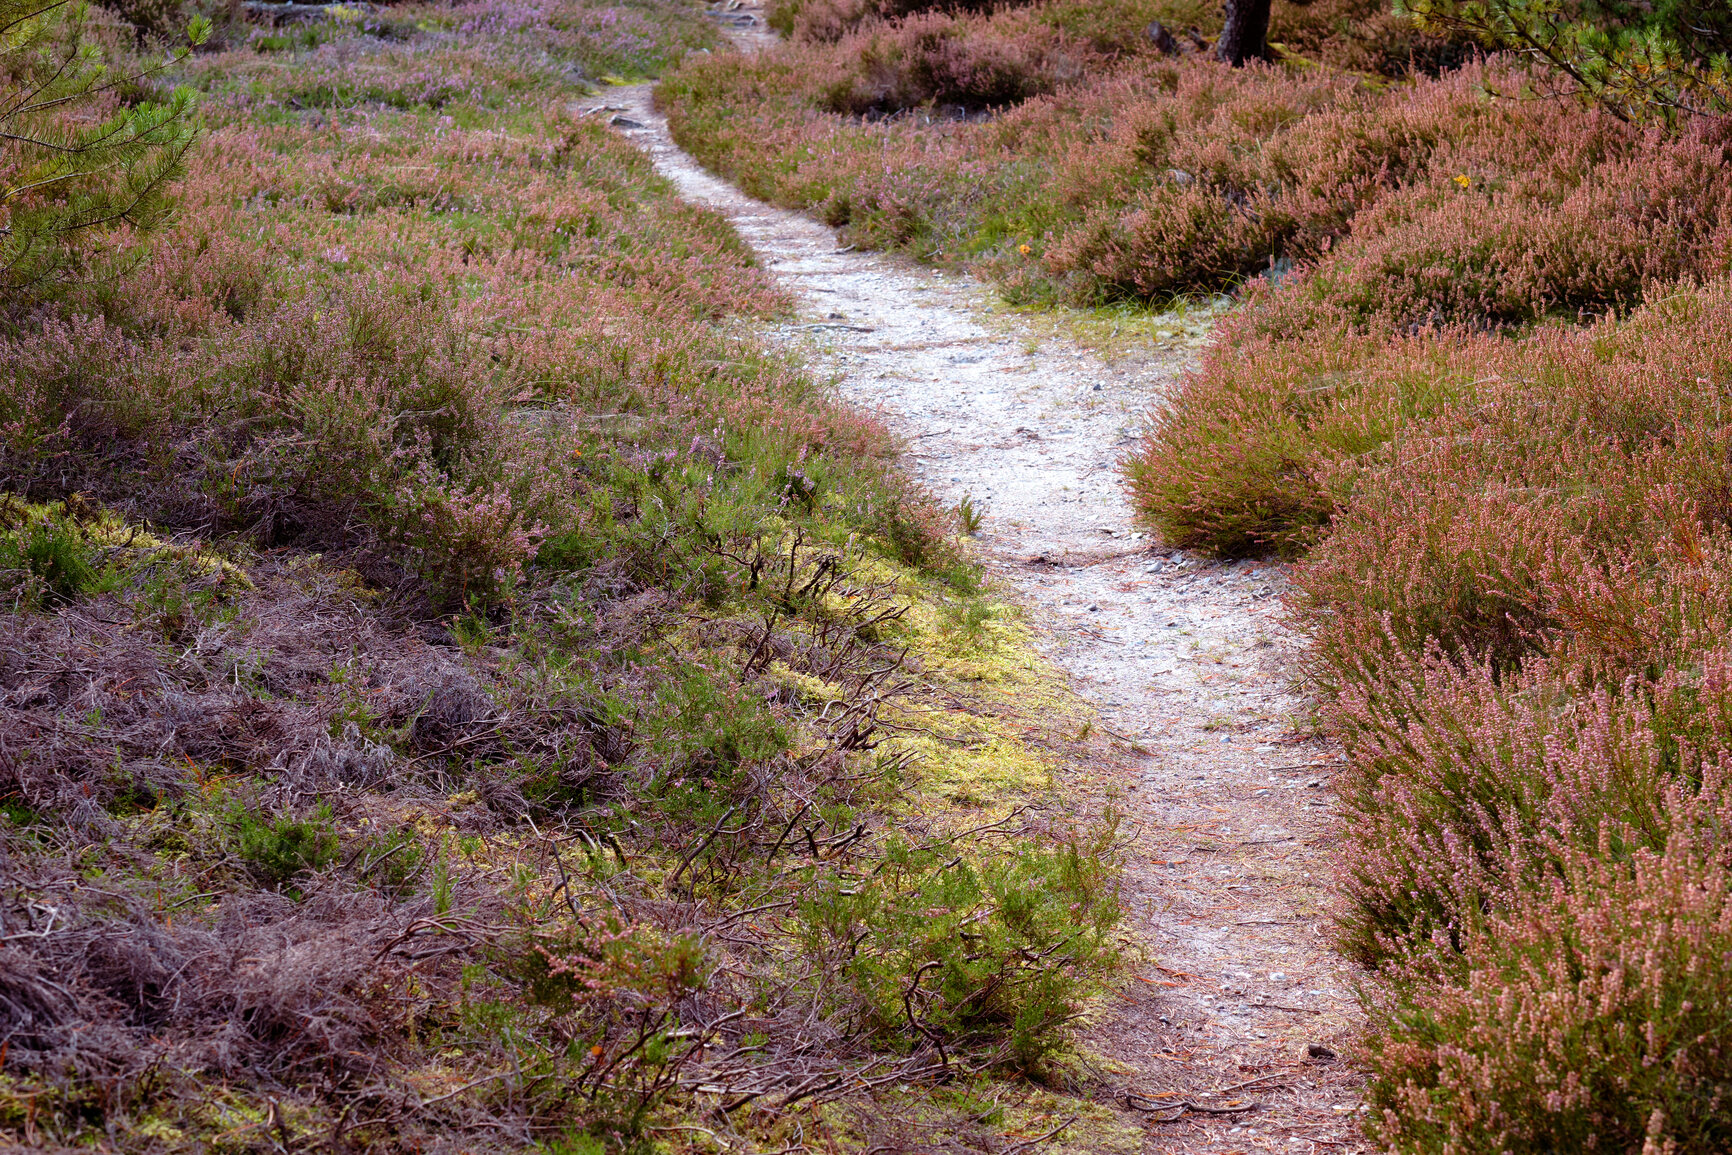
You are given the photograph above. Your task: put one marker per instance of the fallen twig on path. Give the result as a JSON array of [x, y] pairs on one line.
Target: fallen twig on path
[[1248, 1083], [1285, 1007], [1181, 1106]]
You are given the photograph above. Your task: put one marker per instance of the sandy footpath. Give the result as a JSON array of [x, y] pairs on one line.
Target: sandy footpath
[[1184, 659]]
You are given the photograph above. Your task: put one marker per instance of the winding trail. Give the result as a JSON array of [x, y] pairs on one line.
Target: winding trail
[[1184, 659]]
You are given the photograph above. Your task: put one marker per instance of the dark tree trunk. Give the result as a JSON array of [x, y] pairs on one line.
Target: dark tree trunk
[[1245, 34]]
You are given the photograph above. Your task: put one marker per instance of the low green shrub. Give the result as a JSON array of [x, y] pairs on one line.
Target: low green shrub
[[1247, 457], [50, 562], [597, 961], [391, 861], [943, 946], [613, 986], [281, 847], [706, 726]]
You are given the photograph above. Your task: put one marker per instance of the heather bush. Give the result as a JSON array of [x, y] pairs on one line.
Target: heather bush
[[949, 61], [1438, 206], [1365, 36], [1516, 590], [1470, 793], [1239, 464], [1120, 28], [1486, 414], [1590, 220], [1592, 1011], [46, 558], [606, 955], [1106, 25], [1356, 35], [830, 20], [1039, 925], [319, 413], [1208, 174], [282, 847], [1475, 527], [706, 728], [1257, 450], [1111, 171]]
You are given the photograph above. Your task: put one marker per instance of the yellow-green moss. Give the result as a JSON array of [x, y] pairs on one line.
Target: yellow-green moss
[[125, 546]]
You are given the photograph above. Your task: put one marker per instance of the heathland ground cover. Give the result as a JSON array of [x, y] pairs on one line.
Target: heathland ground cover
[[458, 689], [1475, 385]]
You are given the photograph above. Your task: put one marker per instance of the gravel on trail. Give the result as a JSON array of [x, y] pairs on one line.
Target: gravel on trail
[[1184, 659]]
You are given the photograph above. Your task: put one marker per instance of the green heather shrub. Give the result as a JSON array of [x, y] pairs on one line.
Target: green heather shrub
[[48, 561], [1234, 461], [945, 947], [601, 957], [612, 985], [702, 729], [281, 847], [393, 860]]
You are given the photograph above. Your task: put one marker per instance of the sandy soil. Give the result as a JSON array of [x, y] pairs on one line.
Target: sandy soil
[[1184, 659]]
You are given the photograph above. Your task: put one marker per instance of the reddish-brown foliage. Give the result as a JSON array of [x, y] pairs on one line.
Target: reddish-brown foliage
[[1518, 585]]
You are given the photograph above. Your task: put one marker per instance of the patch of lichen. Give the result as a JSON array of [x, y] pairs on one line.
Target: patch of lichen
[[1120, 332], [73, 548], [984, 718], [216, 1119], [991, 715]]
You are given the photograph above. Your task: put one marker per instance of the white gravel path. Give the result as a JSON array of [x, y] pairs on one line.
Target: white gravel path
[[1185, 660]]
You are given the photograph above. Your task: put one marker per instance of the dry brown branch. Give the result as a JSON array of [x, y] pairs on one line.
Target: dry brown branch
[[1039, 1139], [1180, 1106]]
